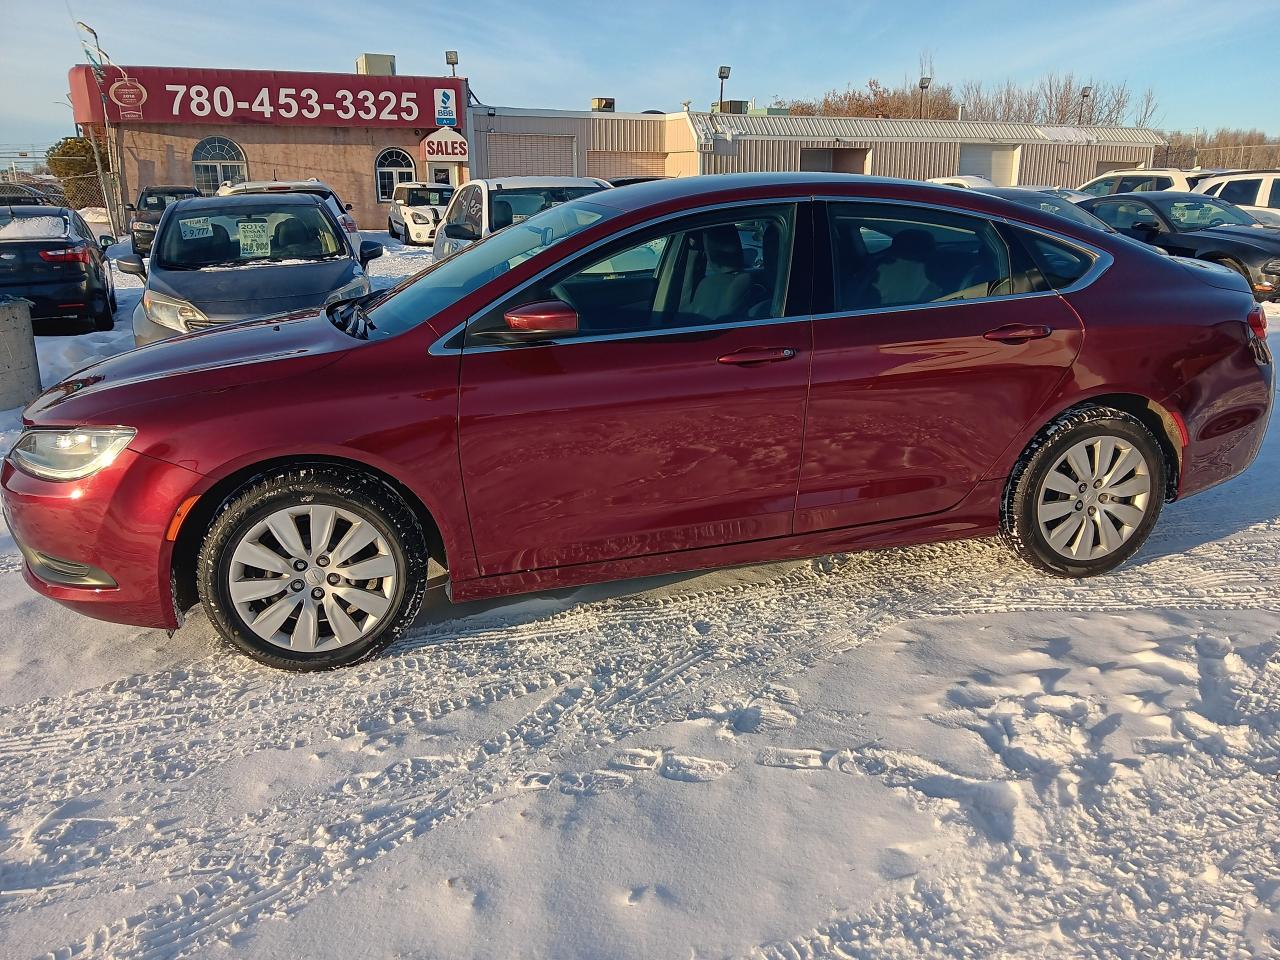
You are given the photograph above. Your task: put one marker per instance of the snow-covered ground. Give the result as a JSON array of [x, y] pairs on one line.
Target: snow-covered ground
[[927, 752]]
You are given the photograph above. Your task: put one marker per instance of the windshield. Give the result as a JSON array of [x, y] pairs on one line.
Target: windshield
[[158, 201], [424, 295], [247, 233], [427, 196], [521, 203], [1201, 213]]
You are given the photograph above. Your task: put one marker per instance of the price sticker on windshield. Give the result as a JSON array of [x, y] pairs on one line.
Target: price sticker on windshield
[[254, 241], [195, 228]]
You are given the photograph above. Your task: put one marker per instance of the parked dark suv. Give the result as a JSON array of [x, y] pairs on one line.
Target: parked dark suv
[[146, 213]]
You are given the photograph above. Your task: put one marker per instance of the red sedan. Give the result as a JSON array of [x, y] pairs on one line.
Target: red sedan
[[670, 376]]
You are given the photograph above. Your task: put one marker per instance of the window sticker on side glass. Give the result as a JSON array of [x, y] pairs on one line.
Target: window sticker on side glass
[[194, 228], [254, 241]]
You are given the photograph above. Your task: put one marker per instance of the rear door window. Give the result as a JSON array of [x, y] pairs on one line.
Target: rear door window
[[931, 256], [1060, 263], [1240, 191], [1273, 200]]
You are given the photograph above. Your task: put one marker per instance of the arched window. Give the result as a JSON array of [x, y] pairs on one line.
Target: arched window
[[216, 160], [393, 166]]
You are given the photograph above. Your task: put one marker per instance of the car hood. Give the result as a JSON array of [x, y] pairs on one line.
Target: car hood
[[250, 291], [1263, 236], [252, 351]]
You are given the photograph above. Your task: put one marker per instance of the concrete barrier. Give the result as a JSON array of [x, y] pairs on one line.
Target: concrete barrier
[[19, 369]]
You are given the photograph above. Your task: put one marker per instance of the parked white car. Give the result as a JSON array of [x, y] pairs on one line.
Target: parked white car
[[964, 181], [1257, 192], [482, 207], [416, 210], [1139, 180], [340, 210]]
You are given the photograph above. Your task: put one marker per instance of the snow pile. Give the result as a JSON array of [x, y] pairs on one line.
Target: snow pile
[[926, 752], [95, 214]]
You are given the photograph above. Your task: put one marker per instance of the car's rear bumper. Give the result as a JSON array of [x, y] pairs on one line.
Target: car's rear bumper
[[52, 301], [99, 545]]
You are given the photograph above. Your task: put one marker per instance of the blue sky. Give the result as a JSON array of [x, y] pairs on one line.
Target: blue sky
[[1199, 55]]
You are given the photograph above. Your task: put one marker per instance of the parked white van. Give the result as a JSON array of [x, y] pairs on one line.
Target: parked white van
[[1255, 191], [416, 210], [482, 207]]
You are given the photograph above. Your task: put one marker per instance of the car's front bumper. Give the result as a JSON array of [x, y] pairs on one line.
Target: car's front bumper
[[99, 545], [421, 233]]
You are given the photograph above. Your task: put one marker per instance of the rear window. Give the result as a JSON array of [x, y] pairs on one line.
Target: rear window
[[514, 206], [27, 226], [266, 232], [425, 196]]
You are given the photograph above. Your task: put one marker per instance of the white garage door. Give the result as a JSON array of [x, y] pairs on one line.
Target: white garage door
[[997, 164], [527, 154]]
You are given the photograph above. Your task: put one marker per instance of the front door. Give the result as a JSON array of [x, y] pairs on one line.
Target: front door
[[936, 356], [672, 419]]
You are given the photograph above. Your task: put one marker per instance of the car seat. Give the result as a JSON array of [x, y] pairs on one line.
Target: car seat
[[720, 287], [902, 276], [500, 215], [294, 238]]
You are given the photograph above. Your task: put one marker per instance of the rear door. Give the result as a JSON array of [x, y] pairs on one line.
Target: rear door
[[671, 420], [941, 342]]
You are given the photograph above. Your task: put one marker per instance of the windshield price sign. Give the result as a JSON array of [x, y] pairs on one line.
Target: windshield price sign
[[179, 95]]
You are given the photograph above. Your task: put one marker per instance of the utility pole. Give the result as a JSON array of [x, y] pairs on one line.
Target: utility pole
[[924, 86], [108, 195]]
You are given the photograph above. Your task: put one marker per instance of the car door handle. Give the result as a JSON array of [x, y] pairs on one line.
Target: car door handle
[[753, 355], [1017, 333]]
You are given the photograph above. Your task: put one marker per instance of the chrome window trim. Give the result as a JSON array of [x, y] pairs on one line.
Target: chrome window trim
[[1102, 261]]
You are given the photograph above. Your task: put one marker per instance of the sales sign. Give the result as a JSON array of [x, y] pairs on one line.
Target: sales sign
[[181, 95], [445, 144]]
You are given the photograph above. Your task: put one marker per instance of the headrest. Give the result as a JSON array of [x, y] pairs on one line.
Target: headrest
[[500, 214], [723, 247], [912, 245]]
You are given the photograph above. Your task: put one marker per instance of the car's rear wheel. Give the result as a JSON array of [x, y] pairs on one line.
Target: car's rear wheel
[[391, 229], [1086, 493], [313, 568], [101, 314]]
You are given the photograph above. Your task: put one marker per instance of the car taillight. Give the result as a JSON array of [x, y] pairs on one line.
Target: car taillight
[[1258, 322], [66, 255]]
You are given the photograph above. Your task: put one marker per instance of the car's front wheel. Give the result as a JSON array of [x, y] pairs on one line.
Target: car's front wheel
[[313, 568], [1086, 493]]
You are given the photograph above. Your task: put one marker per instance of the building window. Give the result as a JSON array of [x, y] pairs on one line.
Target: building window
[[215, 161], [393, 166]]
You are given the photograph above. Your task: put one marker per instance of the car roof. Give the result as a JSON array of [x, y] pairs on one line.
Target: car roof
[[423, 183], [492, 182], [169, 188], [282, 186], [247, 200], [1239, 175]]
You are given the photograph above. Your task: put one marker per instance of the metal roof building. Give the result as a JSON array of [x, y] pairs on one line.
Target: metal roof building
[[508, 141]]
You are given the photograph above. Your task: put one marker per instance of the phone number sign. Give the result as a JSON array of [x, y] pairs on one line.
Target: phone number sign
[[180, 95]]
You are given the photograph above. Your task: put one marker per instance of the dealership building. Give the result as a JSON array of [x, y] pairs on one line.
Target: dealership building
[[361, 133], [364, 132]]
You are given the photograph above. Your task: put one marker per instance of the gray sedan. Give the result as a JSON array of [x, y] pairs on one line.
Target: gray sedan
[[221, 259]]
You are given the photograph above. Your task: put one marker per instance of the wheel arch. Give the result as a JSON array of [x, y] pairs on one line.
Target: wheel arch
[[1152, 415], [197, 520]]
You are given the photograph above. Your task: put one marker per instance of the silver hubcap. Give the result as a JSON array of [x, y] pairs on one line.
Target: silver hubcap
[[1094, 498], [312, 577]]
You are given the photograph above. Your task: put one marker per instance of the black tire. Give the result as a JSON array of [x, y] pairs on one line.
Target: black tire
[[1019, 525], [391, 229], [102, 315], [366, 496]]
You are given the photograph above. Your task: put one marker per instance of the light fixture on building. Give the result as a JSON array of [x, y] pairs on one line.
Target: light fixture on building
[[924, 85], [451, 58], [723, 74], [1085, 94]]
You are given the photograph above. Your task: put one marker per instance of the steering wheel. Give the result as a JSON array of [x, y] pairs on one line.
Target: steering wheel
[[1217, 222]]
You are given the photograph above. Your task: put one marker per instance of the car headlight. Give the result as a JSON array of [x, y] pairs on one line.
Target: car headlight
[[356, 288], [420, 218], [69, 454], [143, 226], [170, 312]]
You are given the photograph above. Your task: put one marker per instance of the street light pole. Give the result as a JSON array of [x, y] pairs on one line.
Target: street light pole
[[924, 85], [1084, 95], [723, 74]]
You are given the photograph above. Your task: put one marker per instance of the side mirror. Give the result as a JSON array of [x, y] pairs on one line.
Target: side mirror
[[131, 208], [132, 263], [547, 316], [106, 240], [348, 207], [399, 202], [369, 250], [459, 231]]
